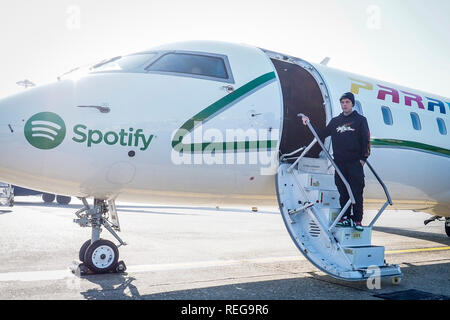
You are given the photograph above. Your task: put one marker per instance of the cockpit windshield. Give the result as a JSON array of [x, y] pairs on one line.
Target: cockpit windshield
[[208, 66], [132, 62], [126, 63]]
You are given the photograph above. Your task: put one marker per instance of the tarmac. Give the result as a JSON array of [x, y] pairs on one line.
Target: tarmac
[[206, 253]]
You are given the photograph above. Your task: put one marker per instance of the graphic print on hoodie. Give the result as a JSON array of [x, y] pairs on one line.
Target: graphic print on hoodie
[[350, 136]]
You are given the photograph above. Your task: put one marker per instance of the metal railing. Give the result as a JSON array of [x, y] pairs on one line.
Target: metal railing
[[284, 156], [351, 199], [347, 186], [388, 196], [306, 150]]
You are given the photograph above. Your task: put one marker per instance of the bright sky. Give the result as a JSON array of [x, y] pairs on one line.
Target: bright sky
[[406, 42]]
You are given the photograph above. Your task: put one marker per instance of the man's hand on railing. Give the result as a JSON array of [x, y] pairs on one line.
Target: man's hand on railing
[[305, 120]]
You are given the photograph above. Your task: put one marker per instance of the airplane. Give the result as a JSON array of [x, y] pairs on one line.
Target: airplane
[[208, 122]]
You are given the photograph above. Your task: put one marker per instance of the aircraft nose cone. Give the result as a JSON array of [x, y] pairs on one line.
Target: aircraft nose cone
[[35, 114], [9, 127], [29, 125], [9, 120]]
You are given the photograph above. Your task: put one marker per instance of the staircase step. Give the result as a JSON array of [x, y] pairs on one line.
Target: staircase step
[[363, 257], [331, 213], [349, 237], [324, 199], [313, 165], [313, 181], [344, 253]]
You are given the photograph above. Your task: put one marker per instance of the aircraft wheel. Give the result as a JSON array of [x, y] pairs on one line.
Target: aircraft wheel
[[101, 256], [47, 197], [63, 200], [83, 250]]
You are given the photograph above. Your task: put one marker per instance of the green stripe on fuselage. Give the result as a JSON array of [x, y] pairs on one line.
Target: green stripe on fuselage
[[403, 144], [213, 110]]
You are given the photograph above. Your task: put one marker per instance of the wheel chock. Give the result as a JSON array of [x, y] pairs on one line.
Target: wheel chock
[[80, 269]]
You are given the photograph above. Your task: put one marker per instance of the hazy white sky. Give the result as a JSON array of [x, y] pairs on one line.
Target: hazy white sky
[[406, 42]]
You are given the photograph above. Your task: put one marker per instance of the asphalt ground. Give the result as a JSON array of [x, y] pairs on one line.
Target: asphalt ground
[[204, 253]]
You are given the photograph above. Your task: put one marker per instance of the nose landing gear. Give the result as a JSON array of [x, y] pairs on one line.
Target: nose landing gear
[[99, 255]]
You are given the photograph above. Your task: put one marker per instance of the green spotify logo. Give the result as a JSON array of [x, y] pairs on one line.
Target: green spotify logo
[[45, 130]]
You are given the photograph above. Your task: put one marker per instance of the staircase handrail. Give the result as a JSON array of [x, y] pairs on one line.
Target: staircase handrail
[[316, 137], [347, 186], [386, 191], [284, 156]]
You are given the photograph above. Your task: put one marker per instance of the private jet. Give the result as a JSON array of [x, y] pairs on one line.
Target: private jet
[[206, 122]]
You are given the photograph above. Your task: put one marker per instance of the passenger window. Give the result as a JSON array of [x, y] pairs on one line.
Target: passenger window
[[194, 64], [442, 127], [358, 107], [387, 115], [416, 121]]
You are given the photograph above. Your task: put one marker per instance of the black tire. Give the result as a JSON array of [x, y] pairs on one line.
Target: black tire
[[63, 200], [83, 250], [47, 197], [101, 256]]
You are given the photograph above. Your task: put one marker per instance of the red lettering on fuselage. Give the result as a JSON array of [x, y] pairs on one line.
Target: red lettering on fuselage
[[408, 97], [415, 97], [388, 91]]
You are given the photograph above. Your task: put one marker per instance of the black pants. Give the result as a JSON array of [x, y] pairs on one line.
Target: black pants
[[354, 174]]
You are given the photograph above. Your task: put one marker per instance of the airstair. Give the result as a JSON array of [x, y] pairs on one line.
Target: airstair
[[309, 204]]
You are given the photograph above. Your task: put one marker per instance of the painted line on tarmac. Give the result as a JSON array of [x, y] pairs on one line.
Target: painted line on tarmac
[[208, 264], [62, 274], [419, 250], [35, 275]]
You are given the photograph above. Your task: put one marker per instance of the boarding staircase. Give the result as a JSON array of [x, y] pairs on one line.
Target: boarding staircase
[[309, 204]]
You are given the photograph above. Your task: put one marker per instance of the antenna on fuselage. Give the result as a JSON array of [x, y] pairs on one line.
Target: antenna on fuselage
[[325, 61], [25, 83]]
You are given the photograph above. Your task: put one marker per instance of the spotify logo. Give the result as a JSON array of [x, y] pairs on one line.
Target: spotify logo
[[45, 130]]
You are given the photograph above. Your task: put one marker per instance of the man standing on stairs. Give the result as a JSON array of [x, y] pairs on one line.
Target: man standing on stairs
[[350, 137]]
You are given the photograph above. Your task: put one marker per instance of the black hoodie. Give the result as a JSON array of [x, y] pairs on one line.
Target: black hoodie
[[350, 136]]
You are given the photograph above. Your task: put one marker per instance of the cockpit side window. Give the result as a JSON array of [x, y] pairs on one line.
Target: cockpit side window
[[207, 66]]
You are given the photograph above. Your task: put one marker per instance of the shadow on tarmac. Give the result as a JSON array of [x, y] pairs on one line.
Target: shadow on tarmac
[[433, 237], [431, 278], [113, 287]]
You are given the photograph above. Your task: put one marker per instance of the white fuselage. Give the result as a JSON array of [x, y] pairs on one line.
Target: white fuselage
[[228, 133]]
